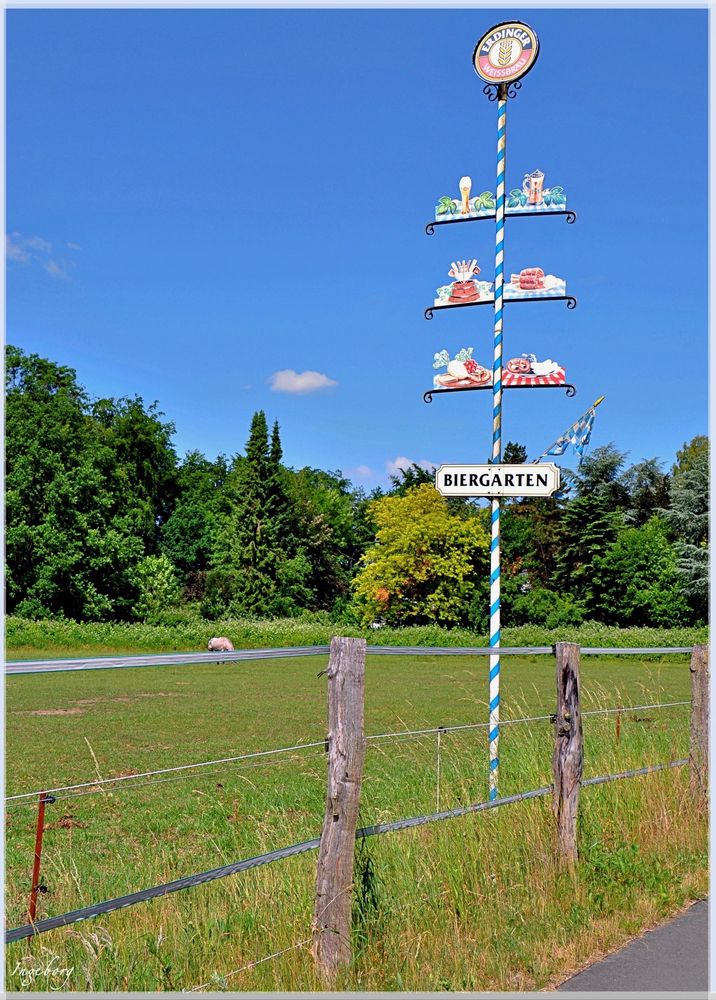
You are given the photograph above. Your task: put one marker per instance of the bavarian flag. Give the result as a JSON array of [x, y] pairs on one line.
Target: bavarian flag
[[577, 435]]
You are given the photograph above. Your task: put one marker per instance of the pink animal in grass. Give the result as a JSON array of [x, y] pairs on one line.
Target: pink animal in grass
[[220, 644]]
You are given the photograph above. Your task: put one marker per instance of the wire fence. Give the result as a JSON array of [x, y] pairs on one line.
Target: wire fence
[[240, 655], [220, 980], [300, 752], [98, 785], [189, 881]]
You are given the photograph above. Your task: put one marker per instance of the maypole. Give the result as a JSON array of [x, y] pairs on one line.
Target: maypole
[[501, 58], [497, 441]]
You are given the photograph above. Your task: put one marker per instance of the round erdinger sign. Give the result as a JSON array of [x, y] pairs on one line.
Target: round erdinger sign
[[506, 52]]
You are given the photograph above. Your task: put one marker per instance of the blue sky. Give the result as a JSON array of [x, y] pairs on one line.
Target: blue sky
[[199, 199]]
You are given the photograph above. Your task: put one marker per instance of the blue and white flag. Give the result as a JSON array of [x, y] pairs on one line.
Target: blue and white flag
[[577, 435]]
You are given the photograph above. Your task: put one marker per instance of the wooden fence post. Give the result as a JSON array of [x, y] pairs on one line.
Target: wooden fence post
[[332, 912], [699, 752], [568, 754]]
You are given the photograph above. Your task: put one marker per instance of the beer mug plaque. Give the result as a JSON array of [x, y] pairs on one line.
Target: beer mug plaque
[[533, 196]]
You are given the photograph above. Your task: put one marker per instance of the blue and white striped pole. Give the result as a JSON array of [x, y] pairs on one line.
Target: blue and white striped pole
[[497, 442]]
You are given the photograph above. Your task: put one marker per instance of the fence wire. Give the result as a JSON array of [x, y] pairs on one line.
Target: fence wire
[[121, 902], [99, 784], [221, 978], [193, 658]]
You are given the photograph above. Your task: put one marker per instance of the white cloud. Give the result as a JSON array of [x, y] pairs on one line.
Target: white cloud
[[34, 250], [287, 380], [395, 465], [14, 249], [37, 243], [54, 269], [362, 472], [74, 246]]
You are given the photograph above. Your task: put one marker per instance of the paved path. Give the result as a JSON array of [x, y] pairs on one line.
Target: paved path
[[671, 958]]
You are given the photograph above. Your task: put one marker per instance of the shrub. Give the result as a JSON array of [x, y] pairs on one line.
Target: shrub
[[545, 607]]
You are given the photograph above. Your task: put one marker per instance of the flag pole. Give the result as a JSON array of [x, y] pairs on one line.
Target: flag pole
[[494, 727]]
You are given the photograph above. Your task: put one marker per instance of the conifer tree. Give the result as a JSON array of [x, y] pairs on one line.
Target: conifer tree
[[589, 527], [244, 548]]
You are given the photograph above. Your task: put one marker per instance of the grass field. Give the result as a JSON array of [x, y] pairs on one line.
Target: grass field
[[474, 903]]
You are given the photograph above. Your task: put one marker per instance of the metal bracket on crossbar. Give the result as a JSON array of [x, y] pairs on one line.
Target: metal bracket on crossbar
[[571, 217], [569, 299], [567, 386]]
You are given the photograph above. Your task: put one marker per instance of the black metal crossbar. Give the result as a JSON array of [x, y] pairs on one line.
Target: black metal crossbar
[[509, 213], [428, 396], [569, 299]]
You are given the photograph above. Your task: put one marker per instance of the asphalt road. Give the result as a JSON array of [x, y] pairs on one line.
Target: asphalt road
[[672, 958]]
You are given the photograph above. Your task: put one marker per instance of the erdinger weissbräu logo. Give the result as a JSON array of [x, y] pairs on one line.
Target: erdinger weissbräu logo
[[506, 52]]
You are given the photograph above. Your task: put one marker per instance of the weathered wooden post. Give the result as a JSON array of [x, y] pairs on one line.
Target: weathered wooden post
[[568, 754], [699, 752], [332, 913]]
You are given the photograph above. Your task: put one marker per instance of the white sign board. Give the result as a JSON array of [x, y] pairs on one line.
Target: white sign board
[[497, 480]]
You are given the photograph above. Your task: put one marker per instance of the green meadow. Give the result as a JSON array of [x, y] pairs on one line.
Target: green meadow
[[473, 903]]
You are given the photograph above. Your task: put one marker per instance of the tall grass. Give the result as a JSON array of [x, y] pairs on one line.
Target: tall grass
[[475, 903], [58, 637]]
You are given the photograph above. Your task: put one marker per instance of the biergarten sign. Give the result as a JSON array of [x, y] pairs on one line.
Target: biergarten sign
[[498, 480]]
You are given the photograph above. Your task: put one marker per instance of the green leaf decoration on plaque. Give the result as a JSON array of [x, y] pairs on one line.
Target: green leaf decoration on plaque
[[440, 359], [464, 354], [446, 206], [483, 202]]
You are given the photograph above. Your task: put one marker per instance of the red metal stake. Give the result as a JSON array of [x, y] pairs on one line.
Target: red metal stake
[[36, 887], [619, 725]]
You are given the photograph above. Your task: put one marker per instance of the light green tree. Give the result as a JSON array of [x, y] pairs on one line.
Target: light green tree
[[158, 587], [424, 563]]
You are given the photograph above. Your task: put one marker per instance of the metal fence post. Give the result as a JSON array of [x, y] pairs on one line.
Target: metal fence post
[[346, 744], [699, 751], [568, 753], [37, 886]]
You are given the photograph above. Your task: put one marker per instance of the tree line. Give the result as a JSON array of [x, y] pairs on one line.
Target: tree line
[[105, 522]]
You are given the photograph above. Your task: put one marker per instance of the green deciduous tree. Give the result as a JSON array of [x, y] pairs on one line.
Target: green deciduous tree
[[424, 562], [692, 453], [87, 486], [636, 581], [323, 528], [188, 537]]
